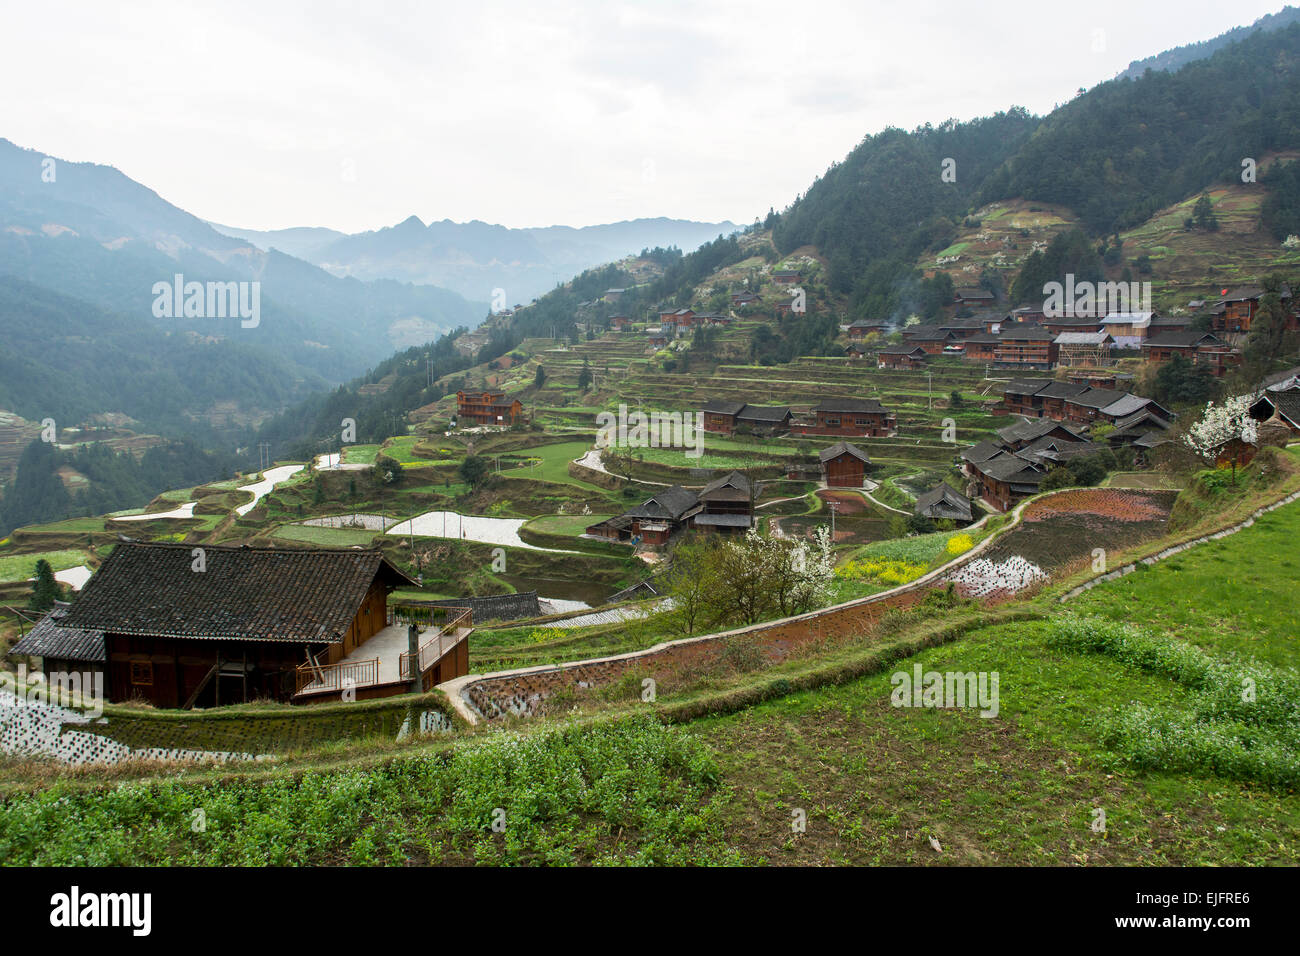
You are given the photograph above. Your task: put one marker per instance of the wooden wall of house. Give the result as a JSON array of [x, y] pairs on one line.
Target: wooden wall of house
[[844, 472], [370, 619], [166, 670]]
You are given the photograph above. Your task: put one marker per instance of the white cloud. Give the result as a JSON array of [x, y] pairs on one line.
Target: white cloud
[[250, 112]]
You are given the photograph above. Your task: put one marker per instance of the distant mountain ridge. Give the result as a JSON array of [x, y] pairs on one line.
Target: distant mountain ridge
[[475, 258], [91, 232], [1180, 56]]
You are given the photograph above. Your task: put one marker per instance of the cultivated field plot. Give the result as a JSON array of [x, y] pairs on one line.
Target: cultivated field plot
[[21, 567], [1062, 533]]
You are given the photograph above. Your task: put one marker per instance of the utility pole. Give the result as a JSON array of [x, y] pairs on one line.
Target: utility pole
[[835, 507], [929, 378]]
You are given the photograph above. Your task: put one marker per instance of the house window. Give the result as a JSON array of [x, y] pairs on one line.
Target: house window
[[142, 673], [863, 421], [831, 422]]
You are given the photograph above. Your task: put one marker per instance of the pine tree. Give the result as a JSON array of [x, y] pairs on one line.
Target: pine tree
[[45, 589]]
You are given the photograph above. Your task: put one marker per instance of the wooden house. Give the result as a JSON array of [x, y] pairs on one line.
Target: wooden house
[[620, 323], [929, 337], [844, 465], [864, 327], [680, 319], [1020, 435], [1128, 405], [487, 408], [1086, 407], [765, 419], [1029, 316], [1051, 398], [658, 518], [1020, 397], [1005, 479], [901, 356], [245, 623], [944, 502], [973, 296], [1070, 323], [1128, 330], [741, 299], [726, 505], [1239, 307], [1025, 346], [1279, 406], [856, 417], [981, 347], [66, 650], [720, 416], [786, 276], [854, 351], [1204, 349]]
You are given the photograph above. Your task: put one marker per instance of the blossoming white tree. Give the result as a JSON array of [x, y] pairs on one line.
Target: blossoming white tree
[[1219, 427]]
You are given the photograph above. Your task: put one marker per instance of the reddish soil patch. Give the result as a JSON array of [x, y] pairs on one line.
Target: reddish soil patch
[[849, 503], [1060, 533]]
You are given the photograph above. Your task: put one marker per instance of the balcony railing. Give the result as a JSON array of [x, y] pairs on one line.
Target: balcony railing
[[334, 678], [433, 650]]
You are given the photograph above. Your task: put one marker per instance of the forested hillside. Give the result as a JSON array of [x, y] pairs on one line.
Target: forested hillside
[[116, 480], [66, 359]]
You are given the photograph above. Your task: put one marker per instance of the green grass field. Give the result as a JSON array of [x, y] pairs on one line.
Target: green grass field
[[564, 524], [20, 567], [326, 537], [552, 463], [1236, 595]]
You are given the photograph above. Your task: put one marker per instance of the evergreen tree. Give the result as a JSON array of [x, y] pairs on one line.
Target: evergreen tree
[[45, 589]]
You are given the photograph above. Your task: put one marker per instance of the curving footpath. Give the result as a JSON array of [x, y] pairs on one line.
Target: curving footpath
[[783, 632]]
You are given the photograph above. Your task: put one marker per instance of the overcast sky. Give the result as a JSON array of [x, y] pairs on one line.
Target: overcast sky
[[269, 114]]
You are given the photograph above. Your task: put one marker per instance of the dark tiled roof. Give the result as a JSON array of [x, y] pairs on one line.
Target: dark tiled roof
[[1127, 405], [1139, 422], [1061, 390], [47, 639], [900, 350], [943, 501], [671, 503], [733, 479], [1285, 404], [765, 413], [1031, 430], [1026, 386], [1183, 339], [495, 607], [718, 407], [1091, 323], [1097, 398], [981, 451], [724, 520], [1012, 469], [928, 335], [843, 448], [1028, 333], [260, 594]]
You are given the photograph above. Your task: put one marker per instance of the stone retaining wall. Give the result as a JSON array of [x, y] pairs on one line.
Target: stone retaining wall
[[521, 691]]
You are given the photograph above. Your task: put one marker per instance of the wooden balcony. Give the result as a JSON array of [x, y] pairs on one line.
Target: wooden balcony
[[382, 665]]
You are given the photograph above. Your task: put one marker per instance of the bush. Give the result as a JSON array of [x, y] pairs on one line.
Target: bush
[[1243, 721]]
